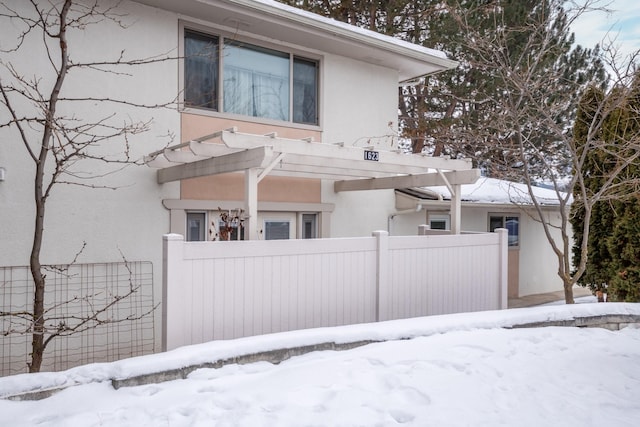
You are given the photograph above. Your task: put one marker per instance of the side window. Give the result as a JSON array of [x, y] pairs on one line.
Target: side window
[[439, 222], [510, 222], [309, 226], [305, 91], [200, 70], [196, 224]]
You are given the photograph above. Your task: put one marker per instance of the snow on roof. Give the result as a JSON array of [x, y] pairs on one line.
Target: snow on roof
[[349, 27], [497, 191]]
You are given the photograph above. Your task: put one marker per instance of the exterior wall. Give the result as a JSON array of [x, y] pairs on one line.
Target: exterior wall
[[126, 222], [538, 264], [361, 108], [231, 186], [532, 276]]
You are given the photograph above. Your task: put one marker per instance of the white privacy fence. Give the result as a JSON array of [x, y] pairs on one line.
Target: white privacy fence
[[223, 290]]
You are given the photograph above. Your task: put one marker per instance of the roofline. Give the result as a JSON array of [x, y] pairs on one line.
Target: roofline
[[446, 203], [343, 29], [413, 61]]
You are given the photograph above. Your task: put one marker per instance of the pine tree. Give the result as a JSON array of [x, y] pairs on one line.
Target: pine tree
[[452, 113]]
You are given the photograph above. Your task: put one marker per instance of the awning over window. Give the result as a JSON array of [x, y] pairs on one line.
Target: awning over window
[[351, 168]]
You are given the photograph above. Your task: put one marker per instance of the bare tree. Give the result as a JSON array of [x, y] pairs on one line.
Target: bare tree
[[50, 121], [532, 128]]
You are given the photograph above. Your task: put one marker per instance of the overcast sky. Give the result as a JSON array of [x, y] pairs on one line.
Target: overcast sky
[[623, 23]]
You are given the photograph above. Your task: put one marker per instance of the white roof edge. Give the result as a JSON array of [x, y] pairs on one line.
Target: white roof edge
[[361, 35]]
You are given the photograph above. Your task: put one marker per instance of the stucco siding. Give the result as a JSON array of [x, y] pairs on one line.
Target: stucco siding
[[360, 109], [130, 220]]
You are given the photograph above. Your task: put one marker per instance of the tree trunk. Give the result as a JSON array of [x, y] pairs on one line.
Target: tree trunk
[[568, 293], [37, 343]]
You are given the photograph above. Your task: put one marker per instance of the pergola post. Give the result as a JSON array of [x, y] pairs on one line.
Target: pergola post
[[456, 208], [251, 203]]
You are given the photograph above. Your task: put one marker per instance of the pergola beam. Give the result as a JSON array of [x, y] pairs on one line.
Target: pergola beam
[[407, 181], [236, 140], [253, 158]]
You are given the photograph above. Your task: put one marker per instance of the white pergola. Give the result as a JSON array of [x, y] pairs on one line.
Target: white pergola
[[351, 168]]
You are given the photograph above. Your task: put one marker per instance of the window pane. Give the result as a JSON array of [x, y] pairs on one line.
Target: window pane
[[512, 224], [230, 231], [200, 70], [496, 222], [276, 230], [195, 226], [438, 224], [305, 91], [256, 81]]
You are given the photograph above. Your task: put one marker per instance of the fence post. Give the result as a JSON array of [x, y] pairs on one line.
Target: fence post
[[423, 229], [503, 264], [172, 307], [382, 274]]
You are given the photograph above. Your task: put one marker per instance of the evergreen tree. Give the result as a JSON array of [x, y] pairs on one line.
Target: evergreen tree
[[453, 113], [624, 247], [596, 274], [613, 246], [624, 243]]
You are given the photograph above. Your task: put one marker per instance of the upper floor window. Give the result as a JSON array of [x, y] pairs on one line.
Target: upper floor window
[[201, 71], [256, 81]]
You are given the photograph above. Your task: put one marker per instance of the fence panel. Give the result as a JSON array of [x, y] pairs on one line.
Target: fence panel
[[442, 275], [224, 290]]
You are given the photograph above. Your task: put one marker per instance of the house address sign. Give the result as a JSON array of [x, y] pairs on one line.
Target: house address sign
[[374, 156]]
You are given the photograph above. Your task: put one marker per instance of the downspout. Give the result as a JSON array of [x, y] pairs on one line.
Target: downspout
[[418, 208]]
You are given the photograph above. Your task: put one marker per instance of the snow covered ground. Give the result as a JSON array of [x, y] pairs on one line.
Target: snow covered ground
[[457, 370]]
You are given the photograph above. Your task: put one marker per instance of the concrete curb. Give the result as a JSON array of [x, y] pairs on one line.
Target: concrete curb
[[612, 322], [273, 356]]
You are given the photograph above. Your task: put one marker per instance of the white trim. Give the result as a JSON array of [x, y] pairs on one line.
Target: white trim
[[277, 21]]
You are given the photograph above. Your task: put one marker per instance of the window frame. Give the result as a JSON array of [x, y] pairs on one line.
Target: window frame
[[223, 35], [446, 218], [302, 221], [506, 217], [203, 232], [268, 221]]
